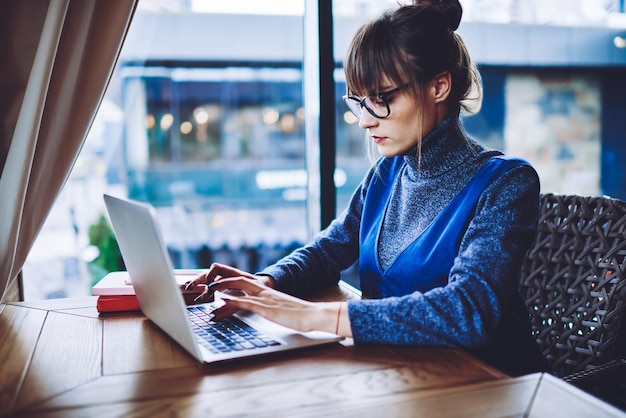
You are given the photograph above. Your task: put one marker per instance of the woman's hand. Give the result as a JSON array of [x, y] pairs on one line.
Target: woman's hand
[[289, 311], [219, 271]]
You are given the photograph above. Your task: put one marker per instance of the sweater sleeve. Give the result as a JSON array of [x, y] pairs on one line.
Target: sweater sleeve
[[319, 264], [481, 281]]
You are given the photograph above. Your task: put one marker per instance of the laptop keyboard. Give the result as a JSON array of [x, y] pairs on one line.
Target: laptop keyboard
[[231, 334]]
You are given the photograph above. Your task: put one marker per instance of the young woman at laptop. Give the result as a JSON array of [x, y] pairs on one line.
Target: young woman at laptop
[[439, 225]]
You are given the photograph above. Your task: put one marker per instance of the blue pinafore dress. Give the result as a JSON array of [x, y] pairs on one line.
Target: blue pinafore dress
[[426, 262]]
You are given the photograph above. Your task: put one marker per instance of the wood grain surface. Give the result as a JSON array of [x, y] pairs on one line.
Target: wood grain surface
[[63, 359]]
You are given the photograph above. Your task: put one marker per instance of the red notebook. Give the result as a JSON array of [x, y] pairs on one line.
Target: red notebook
[[115, 291], [117, 303]]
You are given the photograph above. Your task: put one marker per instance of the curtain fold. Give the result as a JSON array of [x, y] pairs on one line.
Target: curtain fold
[[60, 56]]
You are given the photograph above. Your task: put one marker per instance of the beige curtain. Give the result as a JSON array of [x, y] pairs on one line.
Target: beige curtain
[[57, 59]]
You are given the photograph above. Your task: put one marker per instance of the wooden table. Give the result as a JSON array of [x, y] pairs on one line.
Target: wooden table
[[60, 358]]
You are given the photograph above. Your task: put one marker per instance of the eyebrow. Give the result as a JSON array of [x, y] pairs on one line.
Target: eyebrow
[[382, 90], [385, 90]]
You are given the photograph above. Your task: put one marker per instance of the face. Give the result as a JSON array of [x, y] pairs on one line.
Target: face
[[402, 129]]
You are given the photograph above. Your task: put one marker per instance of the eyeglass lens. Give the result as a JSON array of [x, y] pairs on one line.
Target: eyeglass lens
[[376, 105]]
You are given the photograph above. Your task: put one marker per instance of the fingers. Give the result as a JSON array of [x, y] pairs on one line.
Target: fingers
[[206, 277], [215, 272], [205, 296], [271, 304], [243, 284], [243, 302], [226, 286], [192, 284], [229, 308], [237, 293]]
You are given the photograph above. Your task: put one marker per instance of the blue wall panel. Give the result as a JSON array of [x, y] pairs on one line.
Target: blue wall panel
[[613, 171]]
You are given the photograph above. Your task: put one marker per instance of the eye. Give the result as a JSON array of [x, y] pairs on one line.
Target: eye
[[388, 98], [377, 100]]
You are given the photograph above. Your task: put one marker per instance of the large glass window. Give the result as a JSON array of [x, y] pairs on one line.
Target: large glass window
[[202, 122]]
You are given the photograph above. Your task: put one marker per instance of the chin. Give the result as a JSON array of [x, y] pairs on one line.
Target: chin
[[389, 152]]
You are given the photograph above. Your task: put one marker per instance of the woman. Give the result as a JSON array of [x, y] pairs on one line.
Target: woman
[[439, 224]]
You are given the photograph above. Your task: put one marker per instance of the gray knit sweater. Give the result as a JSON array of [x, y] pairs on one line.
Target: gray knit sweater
[[484, 276]]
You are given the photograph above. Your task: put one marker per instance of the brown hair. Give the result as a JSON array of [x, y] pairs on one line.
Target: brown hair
[[413, 44]]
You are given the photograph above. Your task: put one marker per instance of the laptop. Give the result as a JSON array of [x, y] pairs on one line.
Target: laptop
[[149, 266]]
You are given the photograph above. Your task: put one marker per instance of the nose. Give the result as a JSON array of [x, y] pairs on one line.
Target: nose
[[367, 120]]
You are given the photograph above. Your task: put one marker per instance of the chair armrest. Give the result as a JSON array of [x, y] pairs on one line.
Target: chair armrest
[[603, 374]]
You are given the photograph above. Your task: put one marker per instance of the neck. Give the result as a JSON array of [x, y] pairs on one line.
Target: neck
[[444, 148]]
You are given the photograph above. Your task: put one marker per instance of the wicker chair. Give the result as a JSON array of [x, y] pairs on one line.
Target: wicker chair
[[574, 284]]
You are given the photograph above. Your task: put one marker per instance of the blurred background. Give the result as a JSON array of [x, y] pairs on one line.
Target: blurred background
[[205, 119]]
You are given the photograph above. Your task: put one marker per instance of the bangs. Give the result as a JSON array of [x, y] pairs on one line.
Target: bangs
[[372, 58]]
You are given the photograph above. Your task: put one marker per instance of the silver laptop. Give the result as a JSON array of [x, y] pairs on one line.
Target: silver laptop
[[160, 298]]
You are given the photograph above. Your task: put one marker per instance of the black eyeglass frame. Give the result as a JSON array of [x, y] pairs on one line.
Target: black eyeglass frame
[[356, 104]]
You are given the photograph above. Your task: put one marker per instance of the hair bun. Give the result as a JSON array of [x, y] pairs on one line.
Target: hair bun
[[451, 10]]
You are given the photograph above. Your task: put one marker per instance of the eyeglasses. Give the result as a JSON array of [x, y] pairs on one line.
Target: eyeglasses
[[376, 104]]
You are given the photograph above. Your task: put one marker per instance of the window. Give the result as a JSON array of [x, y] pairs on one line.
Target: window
[[208, 127]]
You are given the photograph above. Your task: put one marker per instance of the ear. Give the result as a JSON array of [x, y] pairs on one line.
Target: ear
[[442, 86]]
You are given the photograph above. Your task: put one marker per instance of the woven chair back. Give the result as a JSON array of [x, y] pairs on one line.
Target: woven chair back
[[574, 282]]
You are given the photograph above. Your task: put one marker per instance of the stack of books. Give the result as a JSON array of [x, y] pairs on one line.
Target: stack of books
[[116, 293]]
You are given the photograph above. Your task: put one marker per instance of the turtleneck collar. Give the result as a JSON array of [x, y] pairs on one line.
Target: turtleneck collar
[[444, 148]]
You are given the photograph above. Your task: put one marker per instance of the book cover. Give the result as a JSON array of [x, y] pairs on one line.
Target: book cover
[[117, 303], [121, 303], [116, 294], [119, 282]]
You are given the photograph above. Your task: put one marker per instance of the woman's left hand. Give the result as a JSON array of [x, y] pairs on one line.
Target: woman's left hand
[[276, 306]]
